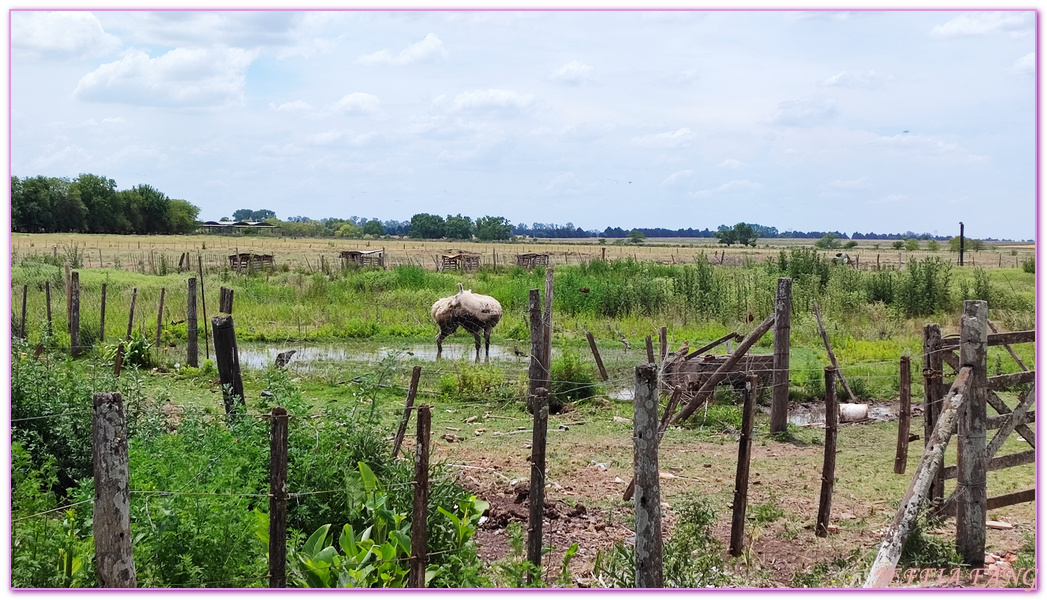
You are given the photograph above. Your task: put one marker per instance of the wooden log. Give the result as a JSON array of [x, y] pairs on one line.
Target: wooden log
[[713, 344], [25, 298], [996, 463], [949, 508], [829, 351], [227, 359], [101, 326], [882, 570], [203, 304], [114, 560], [970, 434], [1010, 350], [536, 495], [225, 301], [663, 345], [999, 339], [1011, 422], [901, 455], [278, 498], [932, 397], [401, 430], [741, 479], [782, 326], [832, 417], [650, 350], [1001, 407], [74, 314], [999, 421], [47, 293], [706, 390], [131, 313], [647, 502], [192, 346], [1000, 382], [420, 504], [160, 319], [596, 355]]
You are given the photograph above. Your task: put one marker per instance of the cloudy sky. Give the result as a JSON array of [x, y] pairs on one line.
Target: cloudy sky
[[880, 121]]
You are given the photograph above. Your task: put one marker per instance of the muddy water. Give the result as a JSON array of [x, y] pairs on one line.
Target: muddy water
[[260, 356], [805, 416]]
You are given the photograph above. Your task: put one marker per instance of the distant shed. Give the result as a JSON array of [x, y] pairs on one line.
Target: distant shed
[[247, 262], [531, 260], [363, 258], [465, 261]]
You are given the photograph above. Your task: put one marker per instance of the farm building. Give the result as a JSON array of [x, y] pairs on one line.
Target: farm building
[[531, 260], [247, 262], [465, 261], [363, 258], [232, 227]]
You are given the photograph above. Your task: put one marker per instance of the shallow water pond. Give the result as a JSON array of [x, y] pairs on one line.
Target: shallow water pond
[[259, 356]]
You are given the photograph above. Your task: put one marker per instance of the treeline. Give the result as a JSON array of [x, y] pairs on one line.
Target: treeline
[[92, 204]]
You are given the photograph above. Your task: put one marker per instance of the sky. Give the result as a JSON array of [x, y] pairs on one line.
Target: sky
[[868, 121]]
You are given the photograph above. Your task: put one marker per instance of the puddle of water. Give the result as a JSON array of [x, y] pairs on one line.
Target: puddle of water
[[815, 416], [259, 357], [622, 394]]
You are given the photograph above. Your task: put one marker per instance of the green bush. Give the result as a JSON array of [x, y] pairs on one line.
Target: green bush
[[1029, 265], [571, 379]]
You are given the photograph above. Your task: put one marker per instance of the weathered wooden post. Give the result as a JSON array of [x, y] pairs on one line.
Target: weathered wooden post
[[74, 314], [416, 374], [832, 418], [160, 319], [131, 313], [536, 494], [227, 358], [741, 479], [829, 351], [114, 560], [101, 326], [25, 298], [420, 512], [650, 349], [203, 304], [596, 355], [932, 398], [225, 301], [68, 293], [278, 498], [47, 293], [647, 499], [970, 434], [192, 349], [547, 322], [537, 372], [961, 243], [782, 324], [663, 345], [119, 361], [901, 456]]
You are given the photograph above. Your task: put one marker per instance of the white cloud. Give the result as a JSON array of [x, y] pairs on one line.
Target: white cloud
[[806, 112], [573, 73], [854, 79], [296, 106], [281, 151], [429, 48], [740, 185], [493, 100], [349, 138], [920, 146], [730, 163], [890, 199], [182, 77], [1025, 65], [359, 102], [854, 184], [676, 178], [1014, 23], [566, 184], [59, 35], [668, 139]]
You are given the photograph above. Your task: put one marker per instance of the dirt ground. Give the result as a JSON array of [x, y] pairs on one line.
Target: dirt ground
[[583, 504]]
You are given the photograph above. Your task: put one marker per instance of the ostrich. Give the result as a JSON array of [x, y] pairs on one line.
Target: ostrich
[[475, 313], [283, 358]]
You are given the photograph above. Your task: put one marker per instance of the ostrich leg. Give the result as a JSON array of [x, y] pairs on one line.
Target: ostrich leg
[[487, 344], [476, 336], [440, 344]]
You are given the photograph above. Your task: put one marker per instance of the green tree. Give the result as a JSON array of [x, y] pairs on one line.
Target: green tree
[[262, 215], [829, 241], [850, 244], [493, 228], [349, 229], [34, 202], [374, 227], [427, 226], [243, 214], [933, 245], [102, 211], [182, 216], [912, 244], [725, 235], [898, 245], [635, 237], [745, 235], [458, 227]]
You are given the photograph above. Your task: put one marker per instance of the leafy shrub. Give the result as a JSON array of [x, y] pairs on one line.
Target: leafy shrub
[[924, 288], [571, 379], [1029, 265]]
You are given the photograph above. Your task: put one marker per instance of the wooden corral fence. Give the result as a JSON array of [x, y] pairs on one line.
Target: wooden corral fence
[[532, 260], [464, 261], [363, 258], [245, 262]]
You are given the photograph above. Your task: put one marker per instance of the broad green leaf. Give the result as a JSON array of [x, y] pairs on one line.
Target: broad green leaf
[[316, 541]]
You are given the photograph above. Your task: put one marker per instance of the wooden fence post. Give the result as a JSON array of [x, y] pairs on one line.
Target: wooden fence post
[[647, 499], [203, 305], [160, 319], [832, 418], [416, 374], [118, 363], [25, 298], [547, 322], [536, 495], [663, 345], [650, 349], [970, 434], [537, 373], [782, 324], [47, 293], [901, 456], [741, 479], [101, 326], [225, 301], [829, 351], [131, 313], [114, 560], [68, 293], [596, 355], [420, 512], [227, 358], [278, 498], [932, 398], [74, 314], [192, 346]]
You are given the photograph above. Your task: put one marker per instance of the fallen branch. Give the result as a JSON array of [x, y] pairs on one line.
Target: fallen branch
[[832, 357]]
